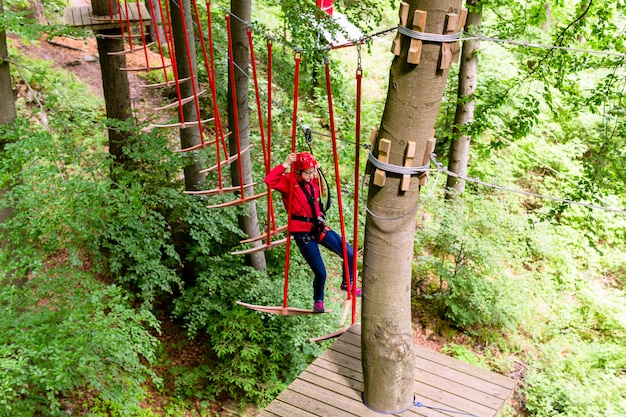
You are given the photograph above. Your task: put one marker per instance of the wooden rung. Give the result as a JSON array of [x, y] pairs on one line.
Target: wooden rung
[[222, 190], [330, 335], [430, 147], [180, 102], [452, 20], [118, 36], [415, 48], [165, 83], [456, 46], [195, 147], [244, 200], [227, 161], [384, 148], [182, 125], [261, 248], [130, 51], [147, 69], [408, 162], [403, 12], [264, 236], [285, 311]]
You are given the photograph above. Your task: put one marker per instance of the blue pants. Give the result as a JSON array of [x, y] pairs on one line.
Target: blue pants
[[309, 248]]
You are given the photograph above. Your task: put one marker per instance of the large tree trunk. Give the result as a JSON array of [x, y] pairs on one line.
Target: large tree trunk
[[413, 100], [458, 158], [114, 83], [249, 223], [190, 136]]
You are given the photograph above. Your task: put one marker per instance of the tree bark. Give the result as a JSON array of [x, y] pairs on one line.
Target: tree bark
[[458, 158], [7, 101], [114, 83], [185, 52], [249, 223], [8, 115], [413, 100]]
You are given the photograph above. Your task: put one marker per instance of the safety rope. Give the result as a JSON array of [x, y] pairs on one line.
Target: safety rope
[[344, 241], [357, 164], [297, 58]]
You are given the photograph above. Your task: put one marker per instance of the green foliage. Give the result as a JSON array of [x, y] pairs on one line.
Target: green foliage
[[47, 352], [463, 250]]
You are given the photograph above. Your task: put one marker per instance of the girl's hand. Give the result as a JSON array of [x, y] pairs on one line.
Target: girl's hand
[[291, 158]]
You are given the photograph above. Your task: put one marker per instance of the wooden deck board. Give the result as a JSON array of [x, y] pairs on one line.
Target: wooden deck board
[[82, 16], [332, 386]]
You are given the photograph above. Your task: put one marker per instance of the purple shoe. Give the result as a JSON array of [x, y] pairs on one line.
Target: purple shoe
[[345, 288], [318, 307]]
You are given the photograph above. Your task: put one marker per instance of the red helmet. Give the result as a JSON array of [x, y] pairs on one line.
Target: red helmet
[[304, 161]]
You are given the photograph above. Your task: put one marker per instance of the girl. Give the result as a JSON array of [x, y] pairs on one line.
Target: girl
[[307, 224]]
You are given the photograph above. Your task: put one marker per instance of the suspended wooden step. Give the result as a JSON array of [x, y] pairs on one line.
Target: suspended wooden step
[[165, 83], [130, 51], [180, 102], [330, 335], [261, 248], [264, 236], [244, 200], [285, 311], [195, 147], [182, 125], [147, 69], [227, 161], [223, 190], [118, 36]]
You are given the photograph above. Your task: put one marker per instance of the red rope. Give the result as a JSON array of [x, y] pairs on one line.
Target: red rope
[[297, 58], [233, 87], [337, 180], [170, 43], [143, 35], [191, 71], [158, 36], [270, 203], [219, 134], [111, 9], [121, 20], [130, 34], [357, 138]]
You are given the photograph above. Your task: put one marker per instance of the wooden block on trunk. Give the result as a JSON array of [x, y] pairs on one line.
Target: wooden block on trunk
[[415, 48], [408, 162], [396, 45], [384, 148], [430, 147], [446, 54], [456, 46]]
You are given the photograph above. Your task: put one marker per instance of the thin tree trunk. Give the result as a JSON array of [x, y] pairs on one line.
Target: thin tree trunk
[[114, 83], [458, 158], [413, 100], [249, 223], [7, 116], [7, 102], [189, 136]]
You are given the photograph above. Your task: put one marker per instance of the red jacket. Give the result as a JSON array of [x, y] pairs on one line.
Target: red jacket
[[279, 180]]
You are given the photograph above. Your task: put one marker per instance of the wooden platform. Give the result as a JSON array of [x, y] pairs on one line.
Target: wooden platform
[[332, 386], [82, 16]]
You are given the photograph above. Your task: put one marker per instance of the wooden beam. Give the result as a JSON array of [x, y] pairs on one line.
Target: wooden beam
[[396, 45], [408, 162], [415, 48], [384, 148]]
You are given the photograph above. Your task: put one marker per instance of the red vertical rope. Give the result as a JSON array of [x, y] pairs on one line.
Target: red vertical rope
[[170, 43], [130, 33], [119, 12], [111, 9], [191, 72], [158, 36], [233, 87], [357, 147], [297, 58], [143, 34], [270, 203], [346, 267], [219, 130]]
